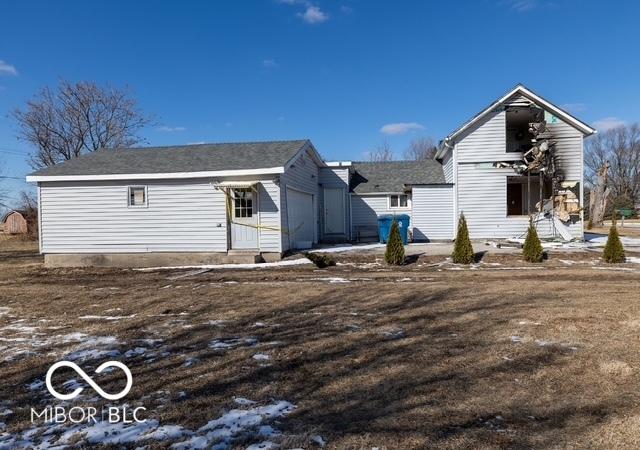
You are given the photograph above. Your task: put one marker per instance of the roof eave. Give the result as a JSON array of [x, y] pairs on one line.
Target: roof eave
[[520, 88], [155, 176]]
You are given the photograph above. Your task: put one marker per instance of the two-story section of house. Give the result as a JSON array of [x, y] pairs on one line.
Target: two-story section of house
[[498, 188]]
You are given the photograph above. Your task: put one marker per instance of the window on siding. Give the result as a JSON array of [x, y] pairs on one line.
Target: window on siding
[[137, 196], [398, 201], [243, 203]]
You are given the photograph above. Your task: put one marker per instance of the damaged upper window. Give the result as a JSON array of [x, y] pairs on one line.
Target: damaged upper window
[[517, 133]]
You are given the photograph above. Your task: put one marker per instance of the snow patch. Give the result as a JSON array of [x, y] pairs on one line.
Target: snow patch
[[285, 263], [106, 317]]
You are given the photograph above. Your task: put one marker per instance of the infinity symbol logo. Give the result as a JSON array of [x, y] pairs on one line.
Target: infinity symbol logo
[[88, 379]]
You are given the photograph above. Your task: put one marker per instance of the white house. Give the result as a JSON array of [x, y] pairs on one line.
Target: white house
[[479, 159], [251, 201]]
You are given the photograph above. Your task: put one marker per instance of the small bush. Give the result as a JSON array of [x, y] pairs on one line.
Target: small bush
[[590, 224], [613, 250], [320, 260], [532, 250], [395, 249], [462, 249]]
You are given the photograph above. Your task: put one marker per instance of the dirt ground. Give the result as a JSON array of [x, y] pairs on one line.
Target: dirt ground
[[429, 355]]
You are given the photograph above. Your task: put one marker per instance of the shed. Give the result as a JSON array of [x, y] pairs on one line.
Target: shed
[[15, 223]]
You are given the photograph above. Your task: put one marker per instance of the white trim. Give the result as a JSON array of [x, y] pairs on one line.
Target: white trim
[[581, 126], [155, 176], [314, 155], [233, 184], [337, 164], [39, 220], [456, 213], [377, 194], [409, 206]]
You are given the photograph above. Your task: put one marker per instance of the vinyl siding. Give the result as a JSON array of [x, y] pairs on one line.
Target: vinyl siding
[[569, 150], [93, 217], [365, 210], [269, 234], [486, 141], [301, 175], [432, 213], [482, 197], [333, 178], [447, 166], [481, 191], [181, 216]]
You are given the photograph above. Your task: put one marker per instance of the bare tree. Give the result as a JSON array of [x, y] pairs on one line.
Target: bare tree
[[421, 149], [78, 118], [619, 149], [29, 208], [381, 153]]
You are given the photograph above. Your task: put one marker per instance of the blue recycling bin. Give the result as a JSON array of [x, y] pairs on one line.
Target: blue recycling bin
[[384, 226]]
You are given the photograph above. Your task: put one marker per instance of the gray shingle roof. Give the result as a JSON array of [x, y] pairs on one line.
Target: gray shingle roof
[[180, 158], [371, 177]]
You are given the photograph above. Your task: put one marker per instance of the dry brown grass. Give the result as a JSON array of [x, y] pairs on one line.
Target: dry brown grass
[[482, 358]]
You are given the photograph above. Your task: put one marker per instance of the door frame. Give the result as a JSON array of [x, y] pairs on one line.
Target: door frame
[[344, 213], [231, 211], [314, 205]]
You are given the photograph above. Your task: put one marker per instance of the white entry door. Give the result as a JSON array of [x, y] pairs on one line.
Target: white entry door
[[301, 221], [244, 219], [333, 211]]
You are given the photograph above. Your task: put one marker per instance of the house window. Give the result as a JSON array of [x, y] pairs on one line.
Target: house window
[[523, 194], [243, 203], [137, 196], [398, 201]]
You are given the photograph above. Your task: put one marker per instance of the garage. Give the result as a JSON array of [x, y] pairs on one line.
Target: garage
[[301, 218]]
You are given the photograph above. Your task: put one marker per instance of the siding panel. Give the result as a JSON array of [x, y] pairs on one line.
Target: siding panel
[[365, 210], [93, 217], [432, 213], [302, 175]]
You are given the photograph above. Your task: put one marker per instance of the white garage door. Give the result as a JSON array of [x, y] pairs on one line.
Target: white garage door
[[301, 218]]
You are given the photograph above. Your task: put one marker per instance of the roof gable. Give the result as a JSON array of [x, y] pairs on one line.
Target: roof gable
[[519, 95]]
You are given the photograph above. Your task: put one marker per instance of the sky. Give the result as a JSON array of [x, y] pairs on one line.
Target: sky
[[347, 74]]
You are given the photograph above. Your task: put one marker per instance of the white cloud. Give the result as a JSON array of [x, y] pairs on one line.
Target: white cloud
[[166, 129], [7, 69], [608, 123], [196, 143], [269, 63], [313, 15], [400, 127], [523, 5], [346, 9]]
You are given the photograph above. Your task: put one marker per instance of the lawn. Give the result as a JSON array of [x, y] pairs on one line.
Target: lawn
[[357, 356]]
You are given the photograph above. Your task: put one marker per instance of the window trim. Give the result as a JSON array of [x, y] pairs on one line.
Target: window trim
[[146, 196], [240, 208], [395, 208]]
